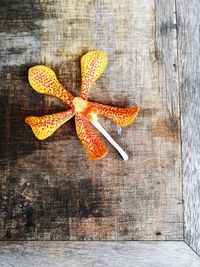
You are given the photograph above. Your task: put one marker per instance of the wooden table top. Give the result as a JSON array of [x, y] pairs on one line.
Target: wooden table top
[[49, 190]]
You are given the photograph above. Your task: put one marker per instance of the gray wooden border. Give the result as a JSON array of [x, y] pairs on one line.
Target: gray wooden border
[[189, 78], [96, 254]]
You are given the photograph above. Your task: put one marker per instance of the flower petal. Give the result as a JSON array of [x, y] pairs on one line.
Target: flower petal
[[93, 145], [92, 66], [121, 116], [45, 126], [44, 81]]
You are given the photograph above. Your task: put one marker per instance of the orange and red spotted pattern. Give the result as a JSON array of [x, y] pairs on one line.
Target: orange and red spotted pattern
[[121, 116], [44, 81], [45, 126], [92, 66], [94, 147]]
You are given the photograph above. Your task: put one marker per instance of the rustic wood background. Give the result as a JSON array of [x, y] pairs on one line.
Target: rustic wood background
[[49, 190]]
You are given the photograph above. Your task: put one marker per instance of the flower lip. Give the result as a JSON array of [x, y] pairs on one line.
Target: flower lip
[[80, 104]]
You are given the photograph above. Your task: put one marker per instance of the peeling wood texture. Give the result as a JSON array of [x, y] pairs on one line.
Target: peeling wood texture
[[49, 189], [189, 61], [84, 254]]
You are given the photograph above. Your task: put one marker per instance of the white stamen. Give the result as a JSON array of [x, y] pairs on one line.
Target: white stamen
[[98, 126]]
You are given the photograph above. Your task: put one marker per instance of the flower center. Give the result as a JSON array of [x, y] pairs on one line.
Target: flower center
[[80, 104]]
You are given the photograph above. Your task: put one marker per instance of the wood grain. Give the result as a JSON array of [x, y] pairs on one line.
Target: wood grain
[[93, 254], [49, 190], [189, 66]]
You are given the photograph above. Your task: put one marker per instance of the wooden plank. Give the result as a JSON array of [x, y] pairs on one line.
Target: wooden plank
[[49, 189], [189, 65], [92, 254]]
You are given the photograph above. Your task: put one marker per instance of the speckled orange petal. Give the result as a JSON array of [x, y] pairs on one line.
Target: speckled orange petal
[[45, 126], [44, 81], [93, 145], [92, 66], [121, 116]]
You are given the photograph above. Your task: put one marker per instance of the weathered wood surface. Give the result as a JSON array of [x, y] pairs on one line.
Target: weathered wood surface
[[189, 66], [93, 254], [50, 190]]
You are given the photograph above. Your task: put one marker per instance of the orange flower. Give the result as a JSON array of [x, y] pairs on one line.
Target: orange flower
[[44, 81]]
